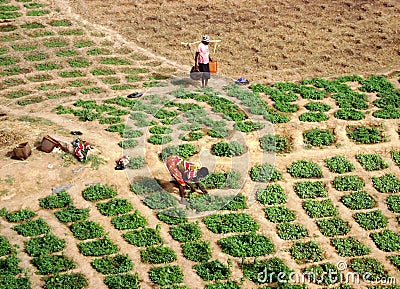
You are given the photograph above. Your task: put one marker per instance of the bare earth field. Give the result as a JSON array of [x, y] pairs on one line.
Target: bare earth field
[[99, 50]]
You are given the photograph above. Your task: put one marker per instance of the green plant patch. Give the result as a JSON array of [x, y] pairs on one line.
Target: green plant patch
[[351, 99], [47, 66], [157, 139], [33, 25], [395, 260], [157, 255], [248, 126], [349, 114], [13, 36], [82, 44], [278, 214], [32, 228], [339, 164], [55, 43], [136, 163], [218, 132], [365, 135], [8, 28], [232, 222], [58, 200], [209, 202], [265, 173], [192, 136], [266, 271], [67, 280], [10, 71], [51, 264], [21, 215], [275, 143], [212, 270], [9, 265], [44, 245], [227, 149], [71, 73], [160, 130], [320, 209], [323, 274], [100, 247], [386, 240], [306, 252], [60, 23], [84, 230], [374, 268], [98, 192], [160, 200], [376, 83], [348, 183], [291, 231], [246, 245], [5, 60], [166, 275], [387, 183], [186, 232], [272, 195], [40, 78], [79, 63], [17, 94], [358, 200], [114, 207], [66, 53], [110, 80], [388, 99], [173, 216], [29, 100], [40, 33], [146, 185], [122, 87], [371, 162], [50, 86], [393, 203], [304, 169], [12, 282], [9, 14], [115, 61], [317, 106], [310, 190], [102, 71], [72, 214], [284, 106], [183, 150], [313, 117], [350, 247], [5, 246], [129, 221], [331, 227], [113, 265], [219, 180], [37, 12], [26, 47], [94, 51], [122, 281], [197, 251], [387, 113], [129, 143], [318, 137], [10, 82], [371, 220], [36, 56], [143, 237], [9, 8]]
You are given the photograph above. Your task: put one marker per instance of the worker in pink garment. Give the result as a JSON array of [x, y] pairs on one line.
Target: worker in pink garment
[[202, 59]]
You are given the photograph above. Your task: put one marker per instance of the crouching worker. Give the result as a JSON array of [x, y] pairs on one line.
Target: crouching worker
[[186, 173]]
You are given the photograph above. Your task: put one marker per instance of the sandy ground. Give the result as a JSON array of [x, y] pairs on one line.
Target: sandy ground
[[281, 41]]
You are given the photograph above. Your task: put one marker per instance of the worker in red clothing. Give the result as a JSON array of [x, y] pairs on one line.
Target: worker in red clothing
[[186, 173]]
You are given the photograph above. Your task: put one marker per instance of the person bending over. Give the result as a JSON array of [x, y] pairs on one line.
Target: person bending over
[[186, 174]]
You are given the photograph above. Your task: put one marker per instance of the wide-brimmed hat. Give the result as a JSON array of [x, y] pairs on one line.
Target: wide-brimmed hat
[[205, 38]]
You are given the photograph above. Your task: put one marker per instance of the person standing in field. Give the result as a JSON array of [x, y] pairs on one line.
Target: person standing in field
[[202, 59]]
